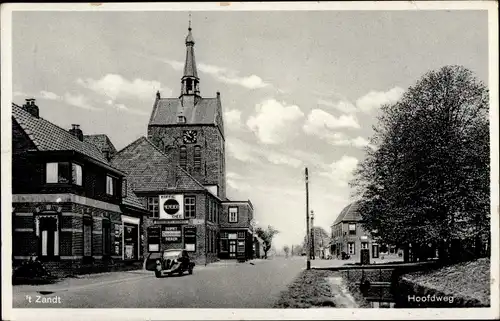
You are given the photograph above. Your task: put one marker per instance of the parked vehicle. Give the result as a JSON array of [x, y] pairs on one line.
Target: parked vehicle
[[171, 262]]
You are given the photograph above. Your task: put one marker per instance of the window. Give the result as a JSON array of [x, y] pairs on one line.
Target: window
[[223, 235], [350, 248], [214, 241], [58, 173], [364, 245], [224, 244], [197, 158], [209, 241], [209, 210], [190, 206], [87, 236], [181, 119], [352, 229], [110, 185], [183, 157], [233, 214], [153, 206], [77, 177], [241, 235], [214, 211], [106, 237]]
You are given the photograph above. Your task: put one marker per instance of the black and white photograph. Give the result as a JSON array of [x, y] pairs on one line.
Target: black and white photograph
[[244, 161]]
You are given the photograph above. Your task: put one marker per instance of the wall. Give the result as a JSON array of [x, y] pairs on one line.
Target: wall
[[245, 214]]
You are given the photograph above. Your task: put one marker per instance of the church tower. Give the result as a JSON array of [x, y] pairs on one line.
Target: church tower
[[190, 129]]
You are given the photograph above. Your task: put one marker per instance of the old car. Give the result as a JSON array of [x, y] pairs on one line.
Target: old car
[[173, 262]]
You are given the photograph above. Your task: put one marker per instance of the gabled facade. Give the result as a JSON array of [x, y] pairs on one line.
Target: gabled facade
[[349, 236], [67, 198]]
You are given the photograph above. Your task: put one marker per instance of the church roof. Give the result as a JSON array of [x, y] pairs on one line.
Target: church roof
[[150, 170], [190, 64], [165, 111], [350, 213]]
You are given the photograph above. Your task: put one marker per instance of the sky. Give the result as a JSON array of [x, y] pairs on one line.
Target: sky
[[298, 88]]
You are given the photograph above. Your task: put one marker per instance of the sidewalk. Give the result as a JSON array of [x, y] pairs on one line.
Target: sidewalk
[[83, 281]]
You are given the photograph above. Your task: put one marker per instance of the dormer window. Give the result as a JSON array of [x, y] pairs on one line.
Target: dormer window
[[181, 119]]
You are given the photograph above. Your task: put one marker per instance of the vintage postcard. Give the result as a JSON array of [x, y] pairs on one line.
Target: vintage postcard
[[192, 161]]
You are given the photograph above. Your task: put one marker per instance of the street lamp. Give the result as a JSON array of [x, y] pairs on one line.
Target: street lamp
[[313, 256]]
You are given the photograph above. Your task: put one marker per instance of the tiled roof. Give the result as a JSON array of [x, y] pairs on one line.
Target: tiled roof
[[166, 110], [132, 199], [190, 64], [349, 213], [50, 137], [102, 142], [149, 169]]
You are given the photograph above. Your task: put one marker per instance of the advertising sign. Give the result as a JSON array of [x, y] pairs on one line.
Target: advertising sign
[[190, 238], [171, 233], [153, 238], [171, 207]]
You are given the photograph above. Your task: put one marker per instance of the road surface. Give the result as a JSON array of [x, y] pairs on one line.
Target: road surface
[[236, 285]]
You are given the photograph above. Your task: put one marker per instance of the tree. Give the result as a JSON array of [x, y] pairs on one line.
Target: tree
[[267, 236], [427, 180], [286, 249]]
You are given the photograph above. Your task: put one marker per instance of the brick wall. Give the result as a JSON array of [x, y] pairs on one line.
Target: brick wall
[[210, 140], [245, 214]]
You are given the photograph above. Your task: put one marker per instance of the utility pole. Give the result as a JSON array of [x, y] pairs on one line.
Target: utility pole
[[308, 265], [313, 256]]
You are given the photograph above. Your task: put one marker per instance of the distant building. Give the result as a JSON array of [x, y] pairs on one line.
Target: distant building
[[70, 206], [349, 236]]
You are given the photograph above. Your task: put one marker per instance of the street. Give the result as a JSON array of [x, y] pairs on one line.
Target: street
[[218, 285]]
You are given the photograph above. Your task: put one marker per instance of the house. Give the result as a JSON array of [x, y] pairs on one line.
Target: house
[[69, 204], [349, 236]]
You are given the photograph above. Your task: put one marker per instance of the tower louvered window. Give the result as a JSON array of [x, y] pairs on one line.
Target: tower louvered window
[[183, 157], [197, 158]]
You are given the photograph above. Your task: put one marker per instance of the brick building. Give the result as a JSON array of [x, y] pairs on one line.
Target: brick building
[[70, 206], [349, 236]]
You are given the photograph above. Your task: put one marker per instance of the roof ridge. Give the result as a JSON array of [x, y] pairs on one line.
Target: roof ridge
[[156, 147], [130, 144]]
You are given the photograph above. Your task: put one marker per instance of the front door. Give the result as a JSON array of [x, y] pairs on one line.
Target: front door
[[232, 248], [49, 243]]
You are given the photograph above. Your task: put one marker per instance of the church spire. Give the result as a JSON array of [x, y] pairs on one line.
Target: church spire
[[190, 80]]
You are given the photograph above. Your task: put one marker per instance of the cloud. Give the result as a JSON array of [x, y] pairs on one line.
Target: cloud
[[222, 74], [115, 86], [123, 108], [343, 106], [375, 99], [79, 101], [229, 76], [341, 171], [232, 118], [320, 123], [19, 93], [233, 175], [273, 121], [246, 152], [49, 95]]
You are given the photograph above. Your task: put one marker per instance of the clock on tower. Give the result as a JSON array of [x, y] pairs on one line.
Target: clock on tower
[[190, 136]]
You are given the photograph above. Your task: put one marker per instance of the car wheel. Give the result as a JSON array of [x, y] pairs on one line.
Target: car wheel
[[191, 271], [157, 274]]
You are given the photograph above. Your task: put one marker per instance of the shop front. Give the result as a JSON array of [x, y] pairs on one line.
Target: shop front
[[131, 239]]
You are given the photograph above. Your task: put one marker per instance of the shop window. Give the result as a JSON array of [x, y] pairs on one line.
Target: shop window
[[183, 157], [153, 206], [77, 174], [197, 158], [351, 248], [241, 246], [190, 206], [241, 235], [233, 214], [58, 173], [352, 229], [224, 245]]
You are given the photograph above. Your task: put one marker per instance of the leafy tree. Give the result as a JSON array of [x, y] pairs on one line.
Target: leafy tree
[[427, 180], [267, 236], [286, 249]]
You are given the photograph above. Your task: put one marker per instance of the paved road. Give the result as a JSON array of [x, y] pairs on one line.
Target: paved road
[[215, 286]]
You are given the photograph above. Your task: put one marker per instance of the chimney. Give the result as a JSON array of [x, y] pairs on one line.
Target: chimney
[[31, 107], [77, 132]]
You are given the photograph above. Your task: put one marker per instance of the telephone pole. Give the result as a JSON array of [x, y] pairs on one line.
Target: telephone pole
[[313, 256], [308, 264]]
